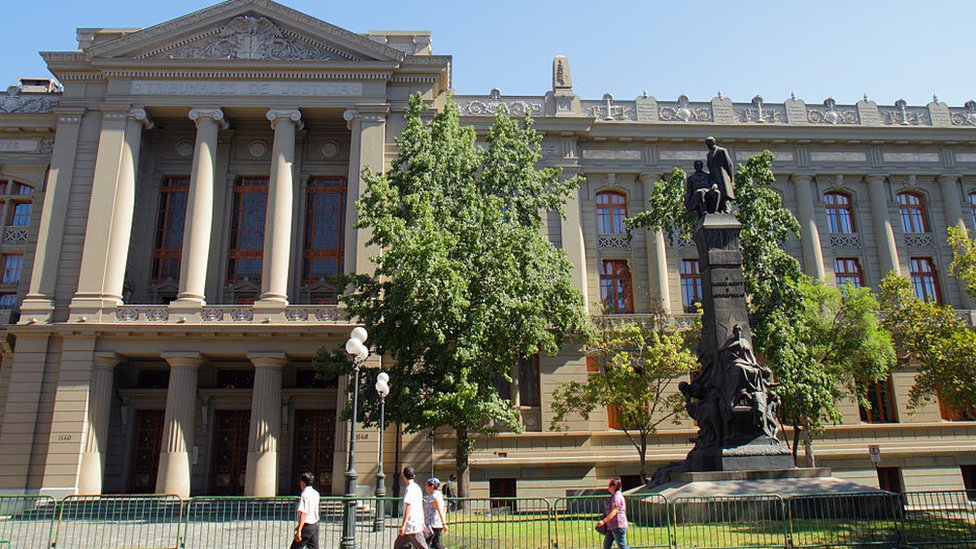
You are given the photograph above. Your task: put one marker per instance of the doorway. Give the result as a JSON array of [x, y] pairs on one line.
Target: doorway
[[229, 469], [314, 446], [147, 440]]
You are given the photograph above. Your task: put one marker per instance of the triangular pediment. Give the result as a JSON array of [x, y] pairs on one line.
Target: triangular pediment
[[248, 30]]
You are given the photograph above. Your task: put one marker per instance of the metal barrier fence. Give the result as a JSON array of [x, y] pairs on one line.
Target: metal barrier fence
[[904, 521]]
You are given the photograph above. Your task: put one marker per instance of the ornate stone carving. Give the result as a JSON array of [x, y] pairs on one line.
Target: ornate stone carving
[[848, 240], [494, 105], [919, 240], [274, 115], [903, 115], [249, 37], [607, 110], [15, 235], [761, 113], [613, 241], [141, 116], [684, 111], [216, 114], [965, 116], [17, 103], [257, 148], [561, 78], [830, 113], [46, 146]]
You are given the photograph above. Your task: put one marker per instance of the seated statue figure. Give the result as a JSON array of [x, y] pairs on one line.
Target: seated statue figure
[[701, 193]]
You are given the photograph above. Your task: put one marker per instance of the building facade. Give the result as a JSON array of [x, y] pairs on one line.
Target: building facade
[[174, 218]]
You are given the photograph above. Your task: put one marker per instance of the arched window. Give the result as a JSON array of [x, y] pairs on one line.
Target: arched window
[[972, 207], [616, 290], [847, 270], [925, 281], [611, 210], [840, 214], [912, 210]]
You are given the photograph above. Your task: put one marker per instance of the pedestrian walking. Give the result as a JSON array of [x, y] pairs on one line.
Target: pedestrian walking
[[434, 513], [450, 492], [614, 522], [411, 534], [307, 529]]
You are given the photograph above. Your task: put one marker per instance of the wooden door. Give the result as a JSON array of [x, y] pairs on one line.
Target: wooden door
[[314, 446], [147, 439], [229, 464]]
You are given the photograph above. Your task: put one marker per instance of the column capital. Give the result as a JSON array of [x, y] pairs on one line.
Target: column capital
[[216, 115], [141, 116], [70, 115], [185, 359], [267, 360], [107, 360], [948, 178], [295, 115], [801, 177], [646, 177], [872, 177]]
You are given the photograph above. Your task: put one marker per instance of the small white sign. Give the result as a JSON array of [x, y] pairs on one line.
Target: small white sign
[[875, 452]]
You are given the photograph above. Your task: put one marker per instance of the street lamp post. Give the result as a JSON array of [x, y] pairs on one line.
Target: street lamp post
[[355, 346], [382, 389]]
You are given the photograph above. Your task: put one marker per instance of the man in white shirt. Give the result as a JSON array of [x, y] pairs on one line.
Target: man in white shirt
[[412, 526], [307, 529]]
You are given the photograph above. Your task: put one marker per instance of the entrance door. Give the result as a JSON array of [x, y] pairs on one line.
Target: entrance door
[[145, 451], [229, 452], [314, 446]]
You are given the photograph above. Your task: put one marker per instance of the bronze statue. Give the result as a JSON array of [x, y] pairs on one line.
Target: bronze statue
[[720, 169], [701, 194]]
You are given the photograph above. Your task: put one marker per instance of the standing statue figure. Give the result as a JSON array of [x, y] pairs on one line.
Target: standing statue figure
[[701, 194], [720, 169]]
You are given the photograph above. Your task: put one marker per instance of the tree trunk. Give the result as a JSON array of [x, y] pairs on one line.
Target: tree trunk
[[808, 448], [796, 441], [461, 464], [643, 458]]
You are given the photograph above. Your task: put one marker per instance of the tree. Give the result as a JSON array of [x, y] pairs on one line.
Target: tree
[[933, 339], [466, 283], [963, 264], [641, 363], [810, 373]]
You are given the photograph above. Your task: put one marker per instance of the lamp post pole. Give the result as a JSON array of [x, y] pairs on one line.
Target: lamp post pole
[[383, 389], [356, 347]]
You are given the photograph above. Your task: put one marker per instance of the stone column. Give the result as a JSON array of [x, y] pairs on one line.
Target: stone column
[[92, 469], [657, 259], [198, 223], [573, 242], [181, 410], [884, 234], [277, 221], [813, 262], [367, 150], [952, 199], [38, 304], [262, 445], [110, 213]]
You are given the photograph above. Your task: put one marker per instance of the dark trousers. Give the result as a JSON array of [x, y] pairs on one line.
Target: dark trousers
[[434, 541], [310, 538]]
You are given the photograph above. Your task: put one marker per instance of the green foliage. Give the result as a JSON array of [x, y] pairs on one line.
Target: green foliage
[[963, 264], [466, 283], [933, 339], [667, 209], [641, 364]]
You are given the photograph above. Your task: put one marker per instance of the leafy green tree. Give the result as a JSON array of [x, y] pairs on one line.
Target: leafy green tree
[[466, 283], [933, 339], [963, 264], [641, 364], [787, 330]]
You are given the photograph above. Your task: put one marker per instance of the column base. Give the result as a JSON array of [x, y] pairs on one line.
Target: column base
[[99, 308], [270, 309], [262, 474], [187, 309], [36, 310], [90, 473], [174, 474]]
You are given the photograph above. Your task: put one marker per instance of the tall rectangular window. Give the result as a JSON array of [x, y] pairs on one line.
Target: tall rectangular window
[[616, 290], [969, 479], [7, 301], [840, 218], [847, 270], [611, 210], [324, 229], [529, 390], [11, 268], [879, 397], [168, 244], [972, 207], [925, 282], [911, 209], [20, 214], [615, 417], [247, 229], [691, 284]]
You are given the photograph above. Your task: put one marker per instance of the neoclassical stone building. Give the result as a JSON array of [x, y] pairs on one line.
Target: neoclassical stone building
[[174, 218]]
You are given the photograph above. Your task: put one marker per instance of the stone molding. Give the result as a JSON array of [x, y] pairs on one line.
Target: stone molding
[[274, 115]]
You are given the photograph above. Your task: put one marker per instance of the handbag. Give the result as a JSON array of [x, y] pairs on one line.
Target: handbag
[[601, 528]]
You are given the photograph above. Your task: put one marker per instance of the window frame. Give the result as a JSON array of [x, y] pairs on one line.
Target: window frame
[[912, 214], [607, 212], [842, 277], [919, 277], [309, 253], [170, 186], [691, 279], [839, 211], [882, 405], [609, 280], [972, 207], [234, 252], [4, 258]]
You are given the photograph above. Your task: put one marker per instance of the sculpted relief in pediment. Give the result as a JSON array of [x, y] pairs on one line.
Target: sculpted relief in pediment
[[250, 37]]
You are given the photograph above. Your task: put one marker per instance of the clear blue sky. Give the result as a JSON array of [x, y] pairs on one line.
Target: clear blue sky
[[889, 49]]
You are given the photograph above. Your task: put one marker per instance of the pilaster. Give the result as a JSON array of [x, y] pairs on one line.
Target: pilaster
[[367, 152], [884, 233], [92, 470], [657, 259], [262, 446], [813, 262]]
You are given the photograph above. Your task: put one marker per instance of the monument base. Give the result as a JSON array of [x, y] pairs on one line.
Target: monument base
[[761, 454]]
